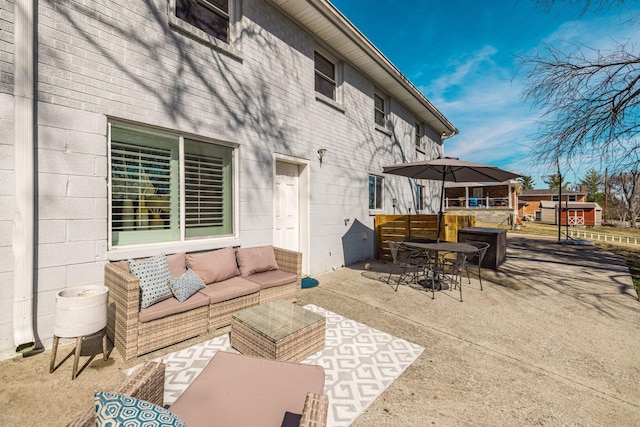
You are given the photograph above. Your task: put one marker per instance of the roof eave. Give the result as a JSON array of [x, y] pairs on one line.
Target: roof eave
[[327, 23]]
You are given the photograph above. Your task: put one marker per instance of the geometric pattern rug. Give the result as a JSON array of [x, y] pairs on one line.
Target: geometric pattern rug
[[359, 362]]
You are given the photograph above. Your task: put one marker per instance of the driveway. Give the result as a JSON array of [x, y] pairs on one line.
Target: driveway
[[552, 340]]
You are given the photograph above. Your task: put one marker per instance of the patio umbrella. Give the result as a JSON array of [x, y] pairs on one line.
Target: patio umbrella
[[449, 169]]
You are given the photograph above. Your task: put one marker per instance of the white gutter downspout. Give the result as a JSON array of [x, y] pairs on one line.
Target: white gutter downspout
[[24, 174]]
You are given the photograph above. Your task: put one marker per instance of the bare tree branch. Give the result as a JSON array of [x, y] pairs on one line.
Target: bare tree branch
[[590, 101]]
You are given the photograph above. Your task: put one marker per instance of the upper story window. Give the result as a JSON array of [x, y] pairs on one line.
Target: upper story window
[[168, 188], [379, 110], [211, 16], [325, 80], [375, 191], [418, 135]]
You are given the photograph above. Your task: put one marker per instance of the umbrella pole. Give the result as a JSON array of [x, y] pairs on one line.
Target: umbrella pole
[[441, 209]]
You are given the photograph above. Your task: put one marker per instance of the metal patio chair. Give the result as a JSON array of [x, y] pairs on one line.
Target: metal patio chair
[[405, 259], [448, 270], [474, 259]]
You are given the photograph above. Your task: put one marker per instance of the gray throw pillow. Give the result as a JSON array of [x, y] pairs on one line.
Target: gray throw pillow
[[186, 285]]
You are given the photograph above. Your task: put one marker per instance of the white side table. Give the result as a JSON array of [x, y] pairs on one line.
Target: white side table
[[80, 312]]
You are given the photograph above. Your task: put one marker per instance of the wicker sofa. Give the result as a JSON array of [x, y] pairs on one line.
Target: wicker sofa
[[136, 331], [234, 389]]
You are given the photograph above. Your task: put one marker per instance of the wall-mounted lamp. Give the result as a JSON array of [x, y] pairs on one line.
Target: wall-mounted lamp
[[321, 153]]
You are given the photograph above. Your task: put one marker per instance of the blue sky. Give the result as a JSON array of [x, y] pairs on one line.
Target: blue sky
[[463, 55]]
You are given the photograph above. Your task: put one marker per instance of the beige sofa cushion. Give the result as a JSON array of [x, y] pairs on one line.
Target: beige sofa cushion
[[214, 266], [269, 279], [239, 390], [256, 260], [177, 264], [229, 289], [172, 306]]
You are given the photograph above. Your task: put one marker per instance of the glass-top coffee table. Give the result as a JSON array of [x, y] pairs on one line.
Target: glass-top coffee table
[[278, 330]]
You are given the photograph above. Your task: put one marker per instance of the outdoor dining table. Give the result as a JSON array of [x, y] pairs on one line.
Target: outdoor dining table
[[442, 246], [438, 248]]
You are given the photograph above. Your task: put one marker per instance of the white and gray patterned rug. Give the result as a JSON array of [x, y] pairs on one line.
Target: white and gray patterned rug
[[359, 362]]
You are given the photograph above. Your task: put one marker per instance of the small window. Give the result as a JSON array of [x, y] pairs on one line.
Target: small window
[[555, 198], [375, 191], [325, 80], [419, 198], [572, 198], [211, 16], [379, 110], [149, 172], [418, 135]]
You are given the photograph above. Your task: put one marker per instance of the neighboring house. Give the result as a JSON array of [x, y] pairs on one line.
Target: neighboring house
[[488, 201], [143, 127], [531, 200], [542, 205]]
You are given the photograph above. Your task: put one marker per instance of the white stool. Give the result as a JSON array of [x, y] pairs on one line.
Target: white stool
[[80, 312]]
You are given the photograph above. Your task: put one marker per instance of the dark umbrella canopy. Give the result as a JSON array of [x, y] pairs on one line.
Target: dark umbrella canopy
[[449, 169]]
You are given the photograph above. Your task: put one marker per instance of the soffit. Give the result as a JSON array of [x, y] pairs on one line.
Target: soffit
[[329, 25]]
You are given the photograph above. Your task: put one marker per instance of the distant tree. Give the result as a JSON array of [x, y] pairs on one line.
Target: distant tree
[[594, 181], [526, 182], [589, 98], [625, 193], [554, 181]]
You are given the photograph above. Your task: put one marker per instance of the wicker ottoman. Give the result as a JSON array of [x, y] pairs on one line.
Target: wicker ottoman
[[278, 330]]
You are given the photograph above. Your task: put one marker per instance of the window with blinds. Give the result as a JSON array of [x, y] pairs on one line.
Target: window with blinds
[[207, 189], [147, 183], [325, 70]]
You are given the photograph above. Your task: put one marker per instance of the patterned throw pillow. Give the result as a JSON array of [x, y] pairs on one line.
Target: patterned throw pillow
[[117, 410], [186, 285], [154, 278]]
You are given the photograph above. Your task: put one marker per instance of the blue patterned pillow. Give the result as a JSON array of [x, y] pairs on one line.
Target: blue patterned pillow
[[186, 285], [154, 278], [113, 410]]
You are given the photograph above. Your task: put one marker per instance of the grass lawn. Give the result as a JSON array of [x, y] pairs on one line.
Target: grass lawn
[[630, 253]]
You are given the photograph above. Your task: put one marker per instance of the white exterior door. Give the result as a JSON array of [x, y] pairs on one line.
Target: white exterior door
[[286, 202]]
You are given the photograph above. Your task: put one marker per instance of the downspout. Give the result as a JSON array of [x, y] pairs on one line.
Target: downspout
[[24, 155]]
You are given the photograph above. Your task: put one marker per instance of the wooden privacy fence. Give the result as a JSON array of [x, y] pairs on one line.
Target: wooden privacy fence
[[399, 227]]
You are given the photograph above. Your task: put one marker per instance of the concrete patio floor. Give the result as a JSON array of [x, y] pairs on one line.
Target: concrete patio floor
[[552, 340]]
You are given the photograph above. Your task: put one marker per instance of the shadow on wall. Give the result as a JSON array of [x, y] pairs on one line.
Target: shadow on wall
[[358, 243]]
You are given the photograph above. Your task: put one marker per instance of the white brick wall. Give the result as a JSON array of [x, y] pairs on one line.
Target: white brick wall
[[121, 60], [6, 46]]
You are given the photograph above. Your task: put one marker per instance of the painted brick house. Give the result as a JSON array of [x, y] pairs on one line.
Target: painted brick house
[[139, 127]]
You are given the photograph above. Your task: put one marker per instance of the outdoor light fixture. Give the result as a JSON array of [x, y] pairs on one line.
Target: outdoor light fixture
[[321, 153]]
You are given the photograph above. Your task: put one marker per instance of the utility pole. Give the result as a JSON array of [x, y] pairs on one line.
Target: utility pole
[[559, 204], [606, 192]]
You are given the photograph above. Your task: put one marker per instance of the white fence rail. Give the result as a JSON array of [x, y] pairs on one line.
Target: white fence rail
[[602, 237]]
